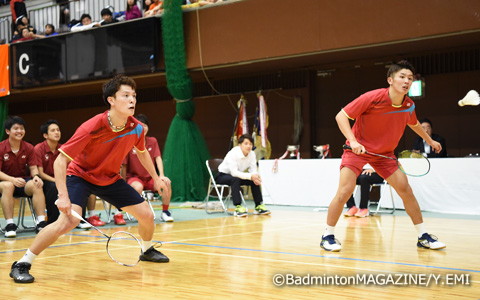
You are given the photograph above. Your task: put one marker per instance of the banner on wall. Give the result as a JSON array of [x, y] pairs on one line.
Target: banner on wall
[[4, 74]]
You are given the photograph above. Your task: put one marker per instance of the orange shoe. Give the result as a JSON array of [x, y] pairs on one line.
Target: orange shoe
[[118, 218], [362, 213], [95, 221], [351, 211]]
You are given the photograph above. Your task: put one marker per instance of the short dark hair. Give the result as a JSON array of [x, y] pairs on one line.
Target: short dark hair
[[44, 126], [12, 120], [85, 16], [245, 136], [425, 120], [402, 64], [106, 11], [142, 118], [51, 26], [113, 85]]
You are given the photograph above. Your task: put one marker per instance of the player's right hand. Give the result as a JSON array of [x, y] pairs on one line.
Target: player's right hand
[[18, 181], [64, 205], [357, 148]]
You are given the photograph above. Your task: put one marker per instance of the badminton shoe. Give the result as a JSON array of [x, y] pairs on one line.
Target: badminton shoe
[[362, 213], [118, 219], [40, 226], [10, 230], [351, 211], [240, 211], [429, 241], [84, 225], [95, 221], [20, 272], [329, 243], [154, 255], [166, 216], [261, 210]]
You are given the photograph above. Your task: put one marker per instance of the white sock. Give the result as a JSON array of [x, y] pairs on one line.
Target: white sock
[[146, 245], [10, 221], [329, 230], [420, 229], [40, 219], [91, 213], [29, 257]]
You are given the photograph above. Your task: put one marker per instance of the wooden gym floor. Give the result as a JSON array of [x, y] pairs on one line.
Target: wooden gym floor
[[219, 256]]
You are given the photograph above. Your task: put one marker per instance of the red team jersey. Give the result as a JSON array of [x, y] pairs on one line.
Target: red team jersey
[[45, 157], [17, 165], [134, 167], [379, 126], [97, 152]]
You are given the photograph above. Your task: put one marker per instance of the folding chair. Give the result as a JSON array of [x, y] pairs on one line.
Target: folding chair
[[223, 192], [24, 201], [148, 196], [384, 185]]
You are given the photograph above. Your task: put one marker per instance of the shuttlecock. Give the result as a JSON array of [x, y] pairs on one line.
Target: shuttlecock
[[472, 98]]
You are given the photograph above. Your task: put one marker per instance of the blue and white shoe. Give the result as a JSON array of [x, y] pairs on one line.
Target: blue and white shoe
[[329, 243], [429, 241]]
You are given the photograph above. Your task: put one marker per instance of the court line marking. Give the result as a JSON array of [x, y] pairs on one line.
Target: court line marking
[[326, 256], [293, 262], [182, 242]]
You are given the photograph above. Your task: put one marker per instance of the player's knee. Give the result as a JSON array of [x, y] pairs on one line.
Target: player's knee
[[6, 187]]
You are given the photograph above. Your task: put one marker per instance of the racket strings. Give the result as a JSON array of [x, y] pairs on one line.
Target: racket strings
[[124, 248], [413, 163]]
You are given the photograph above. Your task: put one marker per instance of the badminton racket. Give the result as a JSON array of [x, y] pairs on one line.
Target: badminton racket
[[472, 98], [122, 246], [411, 163]]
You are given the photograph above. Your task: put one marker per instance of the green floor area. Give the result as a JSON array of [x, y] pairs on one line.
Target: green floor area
[[185, 211]]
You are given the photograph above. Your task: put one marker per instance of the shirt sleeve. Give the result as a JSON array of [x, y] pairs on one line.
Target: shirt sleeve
[[140, 145], [358, 106], [253, 163], [156, 148], [232, 166], [76, 143], [38, 155]]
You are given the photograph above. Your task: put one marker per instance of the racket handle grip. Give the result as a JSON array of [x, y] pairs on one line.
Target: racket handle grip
[[347, 147], [76, 215]]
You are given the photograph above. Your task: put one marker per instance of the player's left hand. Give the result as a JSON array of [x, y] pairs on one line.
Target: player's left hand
[[166, 180], [37, 182], [436, 146]]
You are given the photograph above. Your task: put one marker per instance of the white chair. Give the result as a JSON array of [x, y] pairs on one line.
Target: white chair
[[24, 202], [223, 192], [383, 186]]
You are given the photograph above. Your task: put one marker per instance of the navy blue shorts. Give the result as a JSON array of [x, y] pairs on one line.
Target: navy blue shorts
[[119, 193], [19, 192]]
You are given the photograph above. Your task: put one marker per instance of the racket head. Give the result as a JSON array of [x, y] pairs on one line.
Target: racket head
[[413, 163], [124, 248]]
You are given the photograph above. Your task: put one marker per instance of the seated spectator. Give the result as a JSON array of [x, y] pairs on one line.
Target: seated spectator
[[107, 17], [421, 146], [19, 175], [17, 8], [26, 35], [137, 176], [50, 30], [367, 178], [146, 5], [84, 24], [132, 11], [240, 168], [46, 152], [155, 8], [64, 6]]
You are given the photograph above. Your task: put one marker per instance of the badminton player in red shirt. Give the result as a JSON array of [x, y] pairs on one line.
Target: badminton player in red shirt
[[380, 119], [95, 153]]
